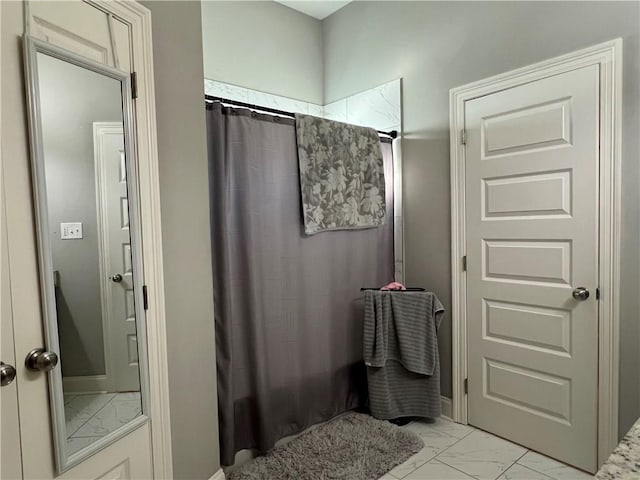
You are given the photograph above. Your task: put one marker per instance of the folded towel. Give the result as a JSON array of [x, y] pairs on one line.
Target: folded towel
[[341, 175]]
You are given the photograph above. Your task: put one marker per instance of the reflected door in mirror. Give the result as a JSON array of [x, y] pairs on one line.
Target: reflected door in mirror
[[115, 262]]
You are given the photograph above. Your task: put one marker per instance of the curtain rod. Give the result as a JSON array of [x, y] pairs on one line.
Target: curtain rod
[[210, 98]]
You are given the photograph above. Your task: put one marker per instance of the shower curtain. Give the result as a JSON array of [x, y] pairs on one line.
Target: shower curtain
[[288, 310]]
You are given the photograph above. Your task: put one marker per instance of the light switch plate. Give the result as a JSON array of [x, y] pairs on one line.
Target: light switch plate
[[70, 231]]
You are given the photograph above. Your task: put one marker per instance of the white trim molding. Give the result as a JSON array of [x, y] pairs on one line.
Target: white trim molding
[[608, 56], [219, 475], [446, 406], [85, 384], [138, 18]]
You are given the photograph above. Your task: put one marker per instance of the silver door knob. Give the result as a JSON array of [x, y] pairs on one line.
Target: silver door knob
[[117, 278], [580, 293], [7, 374], [39, 360]]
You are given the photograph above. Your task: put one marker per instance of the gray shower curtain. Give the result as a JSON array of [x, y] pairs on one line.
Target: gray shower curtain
[[288, 309]]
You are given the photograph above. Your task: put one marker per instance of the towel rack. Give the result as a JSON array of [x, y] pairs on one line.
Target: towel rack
[[408, 289]]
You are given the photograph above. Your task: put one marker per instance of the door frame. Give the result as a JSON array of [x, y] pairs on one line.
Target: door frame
[[608, 56], [138, 17]]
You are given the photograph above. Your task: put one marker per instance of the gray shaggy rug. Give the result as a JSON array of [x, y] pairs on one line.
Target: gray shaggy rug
[[353, 446]]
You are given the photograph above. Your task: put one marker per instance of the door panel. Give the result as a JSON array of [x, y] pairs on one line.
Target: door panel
[[516, 261], [528, 128], [537, 392], [82, 29], [531, 222], [128, 457], [528, 326], [538, 195]]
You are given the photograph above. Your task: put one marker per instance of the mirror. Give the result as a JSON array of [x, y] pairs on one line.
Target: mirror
[[88, 231]]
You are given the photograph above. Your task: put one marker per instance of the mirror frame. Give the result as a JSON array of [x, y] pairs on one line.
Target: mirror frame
[[31, 47]]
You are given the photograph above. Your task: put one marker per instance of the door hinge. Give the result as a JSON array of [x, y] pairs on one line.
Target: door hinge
[[466, 385], [145, 297], [598, 293], [134, 85], [463, 137], [464, 263]]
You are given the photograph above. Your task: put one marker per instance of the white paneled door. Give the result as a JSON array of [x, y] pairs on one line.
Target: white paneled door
[[532, 254], [117, 274], [27, 439]]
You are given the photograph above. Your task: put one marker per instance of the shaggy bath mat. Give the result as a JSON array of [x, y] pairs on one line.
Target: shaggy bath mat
[[353, 446]]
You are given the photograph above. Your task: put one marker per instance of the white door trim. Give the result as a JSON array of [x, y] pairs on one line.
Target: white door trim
[[138, 18], [86, 384], [608, 56], [219, 475]]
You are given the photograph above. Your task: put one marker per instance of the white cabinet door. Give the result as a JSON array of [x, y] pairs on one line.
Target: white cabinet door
[[532, 233], [85, 30]]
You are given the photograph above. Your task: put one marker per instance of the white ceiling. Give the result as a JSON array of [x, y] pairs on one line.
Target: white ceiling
[[315, 8]]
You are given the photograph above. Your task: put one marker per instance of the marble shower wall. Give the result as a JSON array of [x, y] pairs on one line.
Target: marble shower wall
[[379, 108], [254, 97]]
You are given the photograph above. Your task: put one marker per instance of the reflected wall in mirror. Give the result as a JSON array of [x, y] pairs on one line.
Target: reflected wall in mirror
[[88, 233]]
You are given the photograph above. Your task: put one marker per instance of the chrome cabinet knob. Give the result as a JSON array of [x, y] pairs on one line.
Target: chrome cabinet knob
[[581, 293], [7, 374], [117, 278], [39, 360]]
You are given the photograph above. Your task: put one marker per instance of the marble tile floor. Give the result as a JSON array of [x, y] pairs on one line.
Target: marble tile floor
[[461, 452], [89, 417]]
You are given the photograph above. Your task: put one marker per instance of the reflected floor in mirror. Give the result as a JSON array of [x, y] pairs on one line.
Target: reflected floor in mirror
[[91, 416]]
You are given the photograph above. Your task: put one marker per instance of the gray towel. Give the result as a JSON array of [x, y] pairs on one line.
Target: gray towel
[[401, 353], [402, 326], [341, 175]]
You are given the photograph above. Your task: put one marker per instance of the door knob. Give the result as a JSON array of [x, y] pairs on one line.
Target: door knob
[[117, 278], [39, 360], [7, 374], [581, 293]]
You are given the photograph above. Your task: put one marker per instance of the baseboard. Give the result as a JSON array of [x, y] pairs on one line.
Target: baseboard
[[447, 407], [85, 384], [219, 475]]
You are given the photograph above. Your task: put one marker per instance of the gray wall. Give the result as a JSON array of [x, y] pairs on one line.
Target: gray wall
[[435, 46], [72, 99], [177, 46], [263, 46]]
